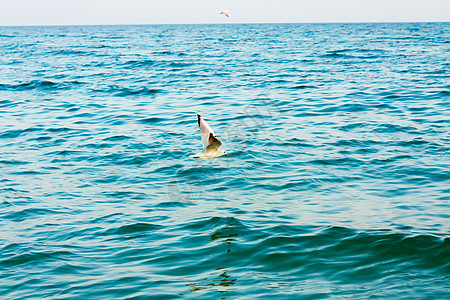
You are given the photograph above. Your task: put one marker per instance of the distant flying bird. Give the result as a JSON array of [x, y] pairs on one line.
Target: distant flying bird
[[210, 142], [225, 12]]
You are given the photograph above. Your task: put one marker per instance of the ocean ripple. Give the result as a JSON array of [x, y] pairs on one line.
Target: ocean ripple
[[336, 185]]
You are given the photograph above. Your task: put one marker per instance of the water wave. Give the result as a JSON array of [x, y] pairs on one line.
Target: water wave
[[336, 185]]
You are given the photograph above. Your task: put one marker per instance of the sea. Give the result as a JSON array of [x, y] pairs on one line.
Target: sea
[[337, 185]]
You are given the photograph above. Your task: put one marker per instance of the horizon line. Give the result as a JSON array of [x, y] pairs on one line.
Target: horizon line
[[228, 23]]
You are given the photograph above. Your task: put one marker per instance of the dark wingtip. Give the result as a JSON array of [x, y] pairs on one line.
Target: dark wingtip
[[198, 119]]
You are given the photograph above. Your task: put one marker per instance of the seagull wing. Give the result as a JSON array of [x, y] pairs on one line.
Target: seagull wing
[[214, 143], [224, 12], [205, 130]]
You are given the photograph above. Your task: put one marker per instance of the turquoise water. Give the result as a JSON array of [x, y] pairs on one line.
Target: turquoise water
[[337, 185]]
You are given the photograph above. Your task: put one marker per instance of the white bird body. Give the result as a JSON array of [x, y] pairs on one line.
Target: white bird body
[[210, 142], [224, 12]]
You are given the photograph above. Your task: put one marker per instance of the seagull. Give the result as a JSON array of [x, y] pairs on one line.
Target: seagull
[[210, 143], [225, 12]]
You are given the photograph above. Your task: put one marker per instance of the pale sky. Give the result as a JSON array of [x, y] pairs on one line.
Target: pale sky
[[86, 12]]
